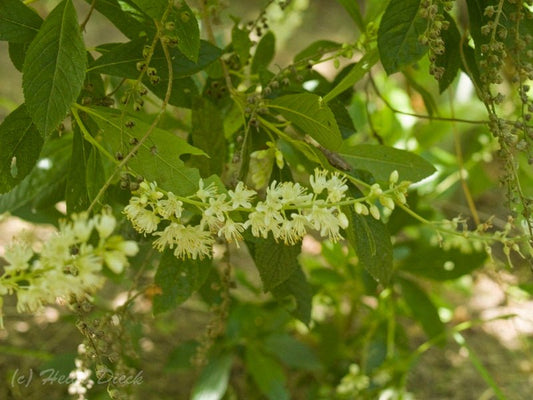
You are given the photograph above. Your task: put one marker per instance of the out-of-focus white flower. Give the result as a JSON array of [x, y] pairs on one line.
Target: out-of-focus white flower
[[105, 224], [82, 227], [17, 254]]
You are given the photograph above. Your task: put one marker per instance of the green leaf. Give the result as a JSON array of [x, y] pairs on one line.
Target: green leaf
[[264, 53], [291, 352], [344, 121], [21, 145], [241, 43], [51, 169], [451, 59], [18, 22], [371, 242], [275, 262], [54, 68], [126, 17], [153, 8], [178, 280], [76, 195], [436, 263], [311, 114], [157, 159], [382, 160], [186, 30], [316, 50], [398, 35], [267, 374], [122, 60], [355, 74], [183, 91], [296, 295], [213, 381], [208, 134], [17, 54], [422, 308], [95, 175]]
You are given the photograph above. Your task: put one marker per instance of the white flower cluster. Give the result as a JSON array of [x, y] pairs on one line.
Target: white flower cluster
[[67, 265], [288, 212], [80, 378]]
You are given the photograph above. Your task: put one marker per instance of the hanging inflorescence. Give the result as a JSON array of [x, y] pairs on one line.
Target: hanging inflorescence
[[288, 212]]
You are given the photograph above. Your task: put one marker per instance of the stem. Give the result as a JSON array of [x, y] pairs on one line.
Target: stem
[[86, 20]]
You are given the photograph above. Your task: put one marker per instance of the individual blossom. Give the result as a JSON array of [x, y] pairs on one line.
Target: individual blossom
[[288, 193], [170, 207], [17, 254], [231, 231], [241, 196], [105, 224], [149, 193], [145, 221], [336, 187], [168, 237], [327, 221], [319, 181], [204, 193], [294, 229], [217, 209], [193, 242]]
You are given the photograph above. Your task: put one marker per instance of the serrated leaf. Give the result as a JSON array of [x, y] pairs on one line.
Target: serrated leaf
[[291, 352], [178, 280], [355, 74], [422, 308], [450, 60], [296, 295], [18, 22], [157, 159], [186, 30], [371, 242], [213, 381], [50, 170], [264, 53], [267, 374], [380, 161], [21, 145], [275, 262], [398, 34], [54, 68], [122, 60], [126, 17], [311, 114]]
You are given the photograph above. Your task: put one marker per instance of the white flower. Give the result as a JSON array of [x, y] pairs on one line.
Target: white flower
[[232, 231], [17, 254], [115, 260], [168, 237], [145, 221], [218, 207], [318, 181], [105, 224], [327, 221], [241, 196], [193, 242], [82, 227], [288, 193], [170, 206], [149, 193], [336, 186], [207, 192], [128, 247], [294, 229]]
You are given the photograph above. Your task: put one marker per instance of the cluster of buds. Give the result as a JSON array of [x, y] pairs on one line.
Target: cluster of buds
[[69, 263], [431, 10], [288, 212]]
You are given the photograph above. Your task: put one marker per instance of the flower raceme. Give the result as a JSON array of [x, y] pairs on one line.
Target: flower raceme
[[288, 212], [69, 263]]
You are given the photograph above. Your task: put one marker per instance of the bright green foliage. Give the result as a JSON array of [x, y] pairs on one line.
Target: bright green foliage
[[54, 68], [312, 199]]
